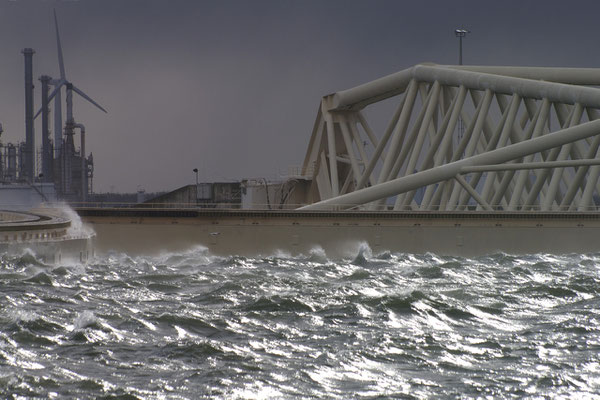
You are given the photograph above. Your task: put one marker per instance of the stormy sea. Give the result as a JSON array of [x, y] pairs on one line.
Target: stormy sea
[[376, 326]]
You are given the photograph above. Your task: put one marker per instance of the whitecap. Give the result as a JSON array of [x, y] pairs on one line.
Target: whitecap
[[85, 319]]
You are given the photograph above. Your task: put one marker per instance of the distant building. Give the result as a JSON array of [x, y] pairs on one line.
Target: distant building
[[24, 196], [262, 194], [207, 195]]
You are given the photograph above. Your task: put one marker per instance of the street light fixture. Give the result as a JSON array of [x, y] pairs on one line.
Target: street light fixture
[[460, 34], [196, 171]]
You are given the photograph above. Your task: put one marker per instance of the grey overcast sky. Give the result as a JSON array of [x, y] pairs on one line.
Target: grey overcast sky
[[232, 87]]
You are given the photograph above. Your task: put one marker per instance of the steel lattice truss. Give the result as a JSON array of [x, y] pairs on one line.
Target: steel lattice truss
[[485, 138]]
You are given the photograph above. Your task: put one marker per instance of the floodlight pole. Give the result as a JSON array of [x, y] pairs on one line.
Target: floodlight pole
[[460, 34]]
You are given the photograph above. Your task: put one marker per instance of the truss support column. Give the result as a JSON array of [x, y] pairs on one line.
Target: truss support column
[[369, 131], [474, 139], [508, 126], [346, 182], [581, 172], [442, 195], [550, 197], [433, 147], [473, 193], [540, 185], [323, 177], [508, 176], [349, 147], [433, 101], [446, 142], [586, 198], [594, 115], [333, 170], [464, 197], [388, 132], [361, 148], [398, 134], [407, 146], [408, 143], [314, 144], [544, 111]]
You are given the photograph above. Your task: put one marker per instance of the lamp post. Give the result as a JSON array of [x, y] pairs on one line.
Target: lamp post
[[460, 34], [196, 172]]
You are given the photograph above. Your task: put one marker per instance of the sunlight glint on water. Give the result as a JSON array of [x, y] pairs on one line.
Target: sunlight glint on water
[[391, 325]]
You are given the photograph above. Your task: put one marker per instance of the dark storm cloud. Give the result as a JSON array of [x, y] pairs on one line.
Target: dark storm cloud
[[232, 87]]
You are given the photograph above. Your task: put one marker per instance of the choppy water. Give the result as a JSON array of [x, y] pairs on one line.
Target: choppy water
[[194, 326]]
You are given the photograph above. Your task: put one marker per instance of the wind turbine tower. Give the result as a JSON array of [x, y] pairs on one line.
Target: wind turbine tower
[[46, 143], [64, 149]]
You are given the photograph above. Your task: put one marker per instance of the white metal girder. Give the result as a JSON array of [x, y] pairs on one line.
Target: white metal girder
[[437, 127]]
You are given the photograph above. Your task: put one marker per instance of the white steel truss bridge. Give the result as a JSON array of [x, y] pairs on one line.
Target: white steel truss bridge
[[461, 138]]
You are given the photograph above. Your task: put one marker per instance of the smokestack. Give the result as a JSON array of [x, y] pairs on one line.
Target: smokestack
[[46, 150], [29, 136]]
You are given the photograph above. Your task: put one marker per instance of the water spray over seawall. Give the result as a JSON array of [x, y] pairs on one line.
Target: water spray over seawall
[[54, 235]]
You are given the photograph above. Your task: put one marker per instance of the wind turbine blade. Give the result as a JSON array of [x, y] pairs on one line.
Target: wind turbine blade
[[56, 89], [61, 63], [85, 96], [54, 92]]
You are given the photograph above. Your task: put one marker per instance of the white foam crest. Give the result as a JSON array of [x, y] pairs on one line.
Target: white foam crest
[[363, 254], [147, 324], [195, 256], [85, 319], [22, 316], [256, 390], [317, 254], [353, 249]]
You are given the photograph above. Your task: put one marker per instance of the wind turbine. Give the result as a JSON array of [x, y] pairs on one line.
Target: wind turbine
[[56, 95]]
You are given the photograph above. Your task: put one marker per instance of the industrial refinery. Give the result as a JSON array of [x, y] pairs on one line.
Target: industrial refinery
[[56, 170]]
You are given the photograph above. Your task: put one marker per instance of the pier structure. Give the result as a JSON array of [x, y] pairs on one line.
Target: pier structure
[[49, 233], [528, 141]]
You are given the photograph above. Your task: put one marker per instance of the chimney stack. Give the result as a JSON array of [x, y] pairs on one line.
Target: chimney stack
[[29, 158]]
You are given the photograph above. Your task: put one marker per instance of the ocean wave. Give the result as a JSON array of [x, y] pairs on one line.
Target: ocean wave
[[375, 325], [277, 304]]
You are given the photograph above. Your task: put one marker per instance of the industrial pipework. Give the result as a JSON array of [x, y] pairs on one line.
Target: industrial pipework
[[83, 166]]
